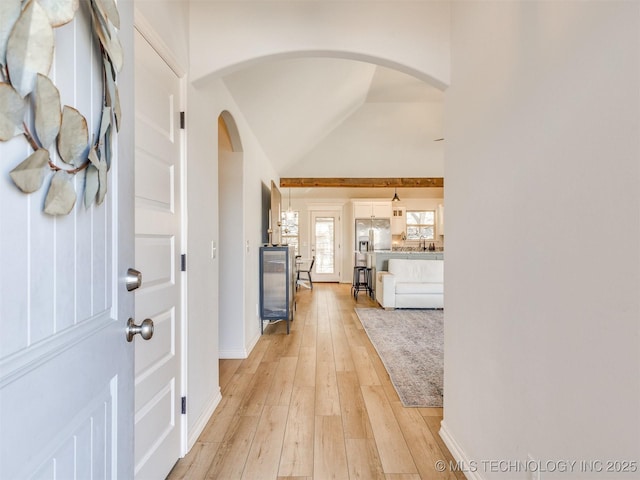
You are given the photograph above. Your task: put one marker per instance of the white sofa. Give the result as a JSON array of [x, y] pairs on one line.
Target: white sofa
[[411, 284]]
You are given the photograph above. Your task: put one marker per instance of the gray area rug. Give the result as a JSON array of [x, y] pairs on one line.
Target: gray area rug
[[411, 346]]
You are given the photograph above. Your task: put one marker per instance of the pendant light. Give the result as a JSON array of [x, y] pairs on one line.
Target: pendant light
[[289, 213], [395, 195]]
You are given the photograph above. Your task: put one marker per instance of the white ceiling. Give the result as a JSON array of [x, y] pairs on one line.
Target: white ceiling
[[326, 117], [293, 104], [390, 85]]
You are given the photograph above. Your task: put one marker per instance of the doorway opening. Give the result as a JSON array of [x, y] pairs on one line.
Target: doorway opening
[[325, 230], [231, 272]]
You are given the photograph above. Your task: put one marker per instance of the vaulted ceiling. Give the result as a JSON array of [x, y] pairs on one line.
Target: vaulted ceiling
[[326, 117]]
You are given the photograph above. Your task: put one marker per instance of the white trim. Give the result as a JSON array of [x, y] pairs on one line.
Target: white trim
[[143, 26], [23, 361], [202, 421], [184, 294], [236, 354], [457, 452], [252, 344]]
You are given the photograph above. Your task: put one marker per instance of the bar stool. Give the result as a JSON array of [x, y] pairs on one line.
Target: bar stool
[[360, 280], [370, 279]]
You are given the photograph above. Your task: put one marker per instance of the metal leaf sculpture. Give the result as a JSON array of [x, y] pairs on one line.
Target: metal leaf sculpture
[[30, 48], [104, 139], [9, 13], [26, 54], [105, 121], [102, 177], [29, 175], [109, 10], [110, 44], [113, 97], [91, 185], [74, 136], [61, 196], [92, 180], [117, 111], [47, 110], [60, 12], [12, 108], [115, 49], [107, 147]]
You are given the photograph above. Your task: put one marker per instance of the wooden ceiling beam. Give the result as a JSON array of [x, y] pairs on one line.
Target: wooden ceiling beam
[[362, 182]]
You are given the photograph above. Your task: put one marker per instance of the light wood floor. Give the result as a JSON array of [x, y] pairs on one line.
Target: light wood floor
[[315, 404]]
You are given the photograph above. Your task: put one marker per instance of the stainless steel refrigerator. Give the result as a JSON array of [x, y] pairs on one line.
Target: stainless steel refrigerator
[[373, 234]]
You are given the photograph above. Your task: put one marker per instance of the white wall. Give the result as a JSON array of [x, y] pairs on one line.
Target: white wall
[[388, 31], [231, 312], [543, 233], [204, 108], [202, 271]]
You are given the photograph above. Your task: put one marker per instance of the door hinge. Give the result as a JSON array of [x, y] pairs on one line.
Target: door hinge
[[183, 410], [183, 262], [182, 120]]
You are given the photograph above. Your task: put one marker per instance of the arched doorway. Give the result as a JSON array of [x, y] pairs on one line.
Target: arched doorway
[[230, 235]]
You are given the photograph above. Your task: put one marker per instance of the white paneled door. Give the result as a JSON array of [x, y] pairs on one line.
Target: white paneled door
[[66, 369], [157, 248], [325, 231]]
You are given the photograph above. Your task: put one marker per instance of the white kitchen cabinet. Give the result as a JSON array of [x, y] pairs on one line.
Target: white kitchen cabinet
[[398, 220], [368, 209], [381, 209], [362, 210]]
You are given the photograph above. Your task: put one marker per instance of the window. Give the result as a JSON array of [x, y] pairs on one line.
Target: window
[[421, 224], [290, 234], [325, 235]]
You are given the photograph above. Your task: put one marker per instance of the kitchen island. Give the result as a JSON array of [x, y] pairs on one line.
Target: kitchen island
[[379, 261], [381, 257]]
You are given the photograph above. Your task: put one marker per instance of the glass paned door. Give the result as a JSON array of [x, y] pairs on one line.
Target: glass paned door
[[324, 228], [325, 244]]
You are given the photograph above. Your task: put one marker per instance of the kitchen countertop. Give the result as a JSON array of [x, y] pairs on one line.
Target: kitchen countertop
[[389, 252], [381, 257]]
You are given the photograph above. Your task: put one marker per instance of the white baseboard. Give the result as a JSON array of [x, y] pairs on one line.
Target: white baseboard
[[239, 353], [202, 421], [457, 452], [252, 344]]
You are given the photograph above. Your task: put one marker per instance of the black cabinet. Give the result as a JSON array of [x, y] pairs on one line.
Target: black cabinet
[[277, 284]]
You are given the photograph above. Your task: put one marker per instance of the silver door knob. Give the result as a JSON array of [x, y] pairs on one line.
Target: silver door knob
[[145, 329], [133, 279]]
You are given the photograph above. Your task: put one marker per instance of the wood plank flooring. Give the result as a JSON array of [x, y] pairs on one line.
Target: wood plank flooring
[[315, 404]]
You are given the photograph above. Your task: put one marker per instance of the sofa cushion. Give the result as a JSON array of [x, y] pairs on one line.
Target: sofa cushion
[[417, 271], [403, 288]]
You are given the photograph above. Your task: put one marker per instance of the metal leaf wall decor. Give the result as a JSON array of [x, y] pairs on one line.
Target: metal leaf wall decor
[[26, 92]]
